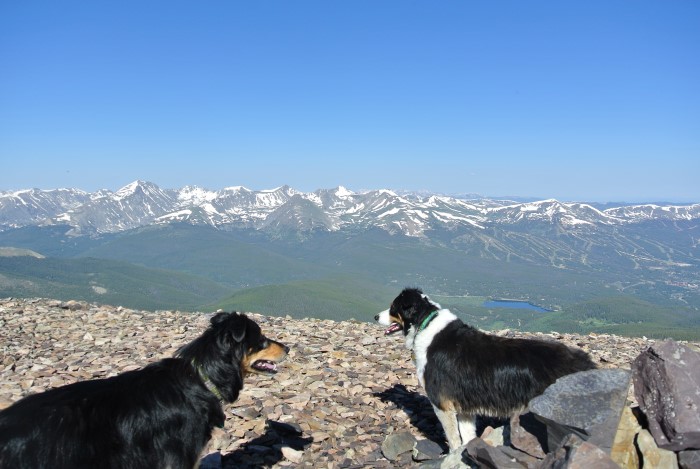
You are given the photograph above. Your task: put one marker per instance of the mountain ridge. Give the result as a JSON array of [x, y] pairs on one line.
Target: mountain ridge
[[142, 203]]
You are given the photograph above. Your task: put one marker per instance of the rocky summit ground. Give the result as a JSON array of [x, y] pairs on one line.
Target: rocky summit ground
[[342, 390]]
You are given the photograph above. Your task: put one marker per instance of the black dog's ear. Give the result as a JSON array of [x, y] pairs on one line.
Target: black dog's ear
[[233, 325], [239, 326], [218, 318]]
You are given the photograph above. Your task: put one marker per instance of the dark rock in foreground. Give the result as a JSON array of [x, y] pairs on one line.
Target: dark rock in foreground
[[667, 386], [588, 403]]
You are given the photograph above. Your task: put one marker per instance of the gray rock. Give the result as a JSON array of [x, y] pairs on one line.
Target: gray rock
[[524, 459], [291, 454], [576, 453], [248, 413], [210, 461], [689, 459], [528, 434], [494, 437], [487, 456], [457, 459], [652, 455], [73, 305], [425, 450], [587, 404], [666, 380], [397, 444]]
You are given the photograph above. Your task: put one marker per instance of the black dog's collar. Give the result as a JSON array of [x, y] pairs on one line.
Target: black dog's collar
[[207, 382], [426, 321]]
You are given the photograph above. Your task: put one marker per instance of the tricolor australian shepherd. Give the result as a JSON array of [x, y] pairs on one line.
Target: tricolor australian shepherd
[[466, 372], [160, 416]]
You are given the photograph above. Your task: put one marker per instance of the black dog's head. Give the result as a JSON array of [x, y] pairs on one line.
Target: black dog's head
[[229, 349], [408, 309]]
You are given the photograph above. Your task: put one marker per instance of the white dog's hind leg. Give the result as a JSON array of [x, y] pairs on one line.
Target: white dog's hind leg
[[467, 427], [448, 419]]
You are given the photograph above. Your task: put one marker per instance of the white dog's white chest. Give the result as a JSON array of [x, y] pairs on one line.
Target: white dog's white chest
[[420, 342]]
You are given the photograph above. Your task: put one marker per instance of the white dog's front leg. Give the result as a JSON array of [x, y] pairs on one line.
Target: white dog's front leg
[[467, 427], [448, 419]]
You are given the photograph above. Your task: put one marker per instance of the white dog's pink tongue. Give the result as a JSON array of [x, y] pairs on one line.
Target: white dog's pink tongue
[[395, 327]]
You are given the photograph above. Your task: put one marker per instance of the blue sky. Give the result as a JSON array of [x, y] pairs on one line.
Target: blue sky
[[576, 100]]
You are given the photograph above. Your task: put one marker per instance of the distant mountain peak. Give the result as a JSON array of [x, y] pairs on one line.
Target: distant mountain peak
[[236, 189], [342, 191], [142, 203], [131, 188]]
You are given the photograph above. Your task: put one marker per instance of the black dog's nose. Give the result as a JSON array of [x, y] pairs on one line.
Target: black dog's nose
[[376, 318], [286, 349]]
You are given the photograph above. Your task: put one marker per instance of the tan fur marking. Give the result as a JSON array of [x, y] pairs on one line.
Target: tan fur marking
[[396, 319], [274, 353], [448, 405]]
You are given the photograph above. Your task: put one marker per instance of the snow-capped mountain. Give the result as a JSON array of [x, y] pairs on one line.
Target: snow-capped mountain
[[34, 206], [656, 212], [413, 214], [552, 211]]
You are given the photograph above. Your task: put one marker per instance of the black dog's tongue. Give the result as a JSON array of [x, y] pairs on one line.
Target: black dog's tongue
[[395, 327]]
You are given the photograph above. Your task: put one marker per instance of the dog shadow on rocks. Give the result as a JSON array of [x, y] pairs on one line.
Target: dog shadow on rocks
[[418, 408], [266, 450], [423, 418]]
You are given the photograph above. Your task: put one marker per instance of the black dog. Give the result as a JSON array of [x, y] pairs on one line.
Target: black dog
[[466, 372], [160, 416]]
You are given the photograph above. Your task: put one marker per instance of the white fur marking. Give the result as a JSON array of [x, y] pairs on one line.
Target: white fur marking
[[467, 428], [384, 318], [420, 342], [425, 297], [450, 425]]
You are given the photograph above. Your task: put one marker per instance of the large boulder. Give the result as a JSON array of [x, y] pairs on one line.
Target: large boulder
[[666, 383], [587, 404]]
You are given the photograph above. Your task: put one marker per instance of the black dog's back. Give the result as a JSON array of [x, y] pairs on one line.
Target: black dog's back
[[126, 417]]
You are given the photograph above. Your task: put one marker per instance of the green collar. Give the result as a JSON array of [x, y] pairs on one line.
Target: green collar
[[207, 382], [426, 321]]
